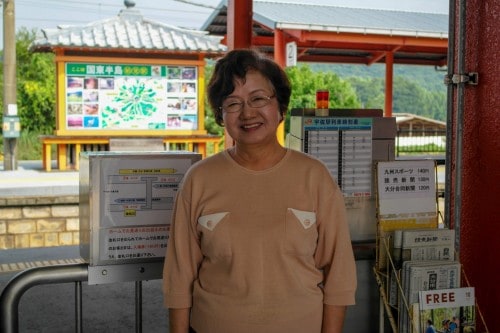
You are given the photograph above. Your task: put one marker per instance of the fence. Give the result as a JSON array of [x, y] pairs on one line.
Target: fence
[[420, 142], [11, 295]]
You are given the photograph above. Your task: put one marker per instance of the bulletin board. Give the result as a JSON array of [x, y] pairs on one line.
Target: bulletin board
[[130, 97]]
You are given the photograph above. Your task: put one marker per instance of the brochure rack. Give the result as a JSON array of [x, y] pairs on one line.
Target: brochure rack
[[406, 198], [414, 254]]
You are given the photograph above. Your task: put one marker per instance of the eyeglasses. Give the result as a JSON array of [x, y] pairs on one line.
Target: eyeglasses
[[234, 104]]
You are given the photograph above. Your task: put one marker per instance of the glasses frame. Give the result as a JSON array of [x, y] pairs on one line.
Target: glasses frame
[[247, 102]]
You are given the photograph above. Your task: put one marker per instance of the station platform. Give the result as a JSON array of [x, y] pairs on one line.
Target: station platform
[[31, 180]]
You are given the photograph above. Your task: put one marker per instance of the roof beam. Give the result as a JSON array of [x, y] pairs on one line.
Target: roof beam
[[369, 53], [365, 60], [379, 55], [352, 38]]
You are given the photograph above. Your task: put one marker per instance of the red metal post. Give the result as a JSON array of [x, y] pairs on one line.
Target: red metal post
[[239, 24], [389, 74]]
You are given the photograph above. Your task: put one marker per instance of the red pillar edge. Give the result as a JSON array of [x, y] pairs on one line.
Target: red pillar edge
[[389, 75], [480, 209], [239, 34], [239, 24]]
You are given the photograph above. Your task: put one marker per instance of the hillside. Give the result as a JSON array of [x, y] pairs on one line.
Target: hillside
[[416, 89], [426, 77]]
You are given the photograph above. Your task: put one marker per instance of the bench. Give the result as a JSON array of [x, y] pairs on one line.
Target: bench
[[68, 148]]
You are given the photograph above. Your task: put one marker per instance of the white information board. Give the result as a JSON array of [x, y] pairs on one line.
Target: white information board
[[126, 204], [137, 202], [406, 192]]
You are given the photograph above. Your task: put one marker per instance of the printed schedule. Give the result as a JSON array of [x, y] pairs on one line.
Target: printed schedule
[[345, 146]]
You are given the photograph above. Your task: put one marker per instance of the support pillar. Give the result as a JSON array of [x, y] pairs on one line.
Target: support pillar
[[239, 34], [389, 77]]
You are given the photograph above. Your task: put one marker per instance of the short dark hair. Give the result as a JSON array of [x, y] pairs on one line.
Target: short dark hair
[[235, 65]]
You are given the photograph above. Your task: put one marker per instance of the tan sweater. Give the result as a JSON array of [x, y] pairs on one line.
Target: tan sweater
[[257, 252]]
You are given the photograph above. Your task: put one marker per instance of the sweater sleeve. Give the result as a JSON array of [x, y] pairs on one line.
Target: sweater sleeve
[[183, 257], [334, 253]]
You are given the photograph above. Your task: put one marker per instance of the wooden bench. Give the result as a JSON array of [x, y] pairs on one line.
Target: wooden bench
[[68, 148]]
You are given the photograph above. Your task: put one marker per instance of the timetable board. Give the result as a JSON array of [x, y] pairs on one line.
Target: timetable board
[[348, 142], [344, 145]]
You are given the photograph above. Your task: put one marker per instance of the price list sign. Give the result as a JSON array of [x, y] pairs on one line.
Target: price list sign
[[406, 194], [344, 144], [406, 179]]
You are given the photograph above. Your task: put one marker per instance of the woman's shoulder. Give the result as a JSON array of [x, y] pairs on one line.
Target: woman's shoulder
[[209, 163]]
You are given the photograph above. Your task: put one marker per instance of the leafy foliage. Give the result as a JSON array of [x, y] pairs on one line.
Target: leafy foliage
[[416, 89], [36, 89], [305, 82], [210, 124]]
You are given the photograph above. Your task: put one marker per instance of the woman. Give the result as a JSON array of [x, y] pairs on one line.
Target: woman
[[259, 240]]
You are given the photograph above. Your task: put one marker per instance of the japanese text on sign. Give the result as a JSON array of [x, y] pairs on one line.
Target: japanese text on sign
[[345, 146], [406, 180], [136, 243]]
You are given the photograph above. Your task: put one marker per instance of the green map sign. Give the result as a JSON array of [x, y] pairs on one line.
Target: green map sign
[[131, 97]]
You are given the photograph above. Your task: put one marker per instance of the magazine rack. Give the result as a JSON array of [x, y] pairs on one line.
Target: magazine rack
[[389, 283], [383, 281], [406, 198], [410, 244]]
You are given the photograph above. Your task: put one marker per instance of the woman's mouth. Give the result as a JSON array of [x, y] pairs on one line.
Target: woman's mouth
[[249, 127]]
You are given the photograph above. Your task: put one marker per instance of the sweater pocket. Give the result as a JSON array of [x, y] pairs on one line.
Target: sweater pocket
[[301, 232], [214, 230]]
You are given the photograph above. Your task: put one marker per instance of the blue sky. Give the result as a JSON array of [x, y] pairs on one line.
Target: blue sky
[[37, 14]]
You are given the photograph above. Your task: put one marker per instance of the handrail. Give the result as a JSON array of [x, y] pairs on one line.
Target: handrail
[[19, 284]]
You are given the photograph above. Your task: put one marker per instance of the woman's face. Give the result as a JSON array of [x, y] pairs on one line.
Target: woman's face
[[253, 126]]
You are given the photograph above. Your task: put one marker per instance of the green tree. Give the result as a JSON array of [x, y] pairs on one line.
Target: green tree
[[436, 105], [408, 97], [36, 89], [370, 91], [305, 82], [36, 94], [210, 124]]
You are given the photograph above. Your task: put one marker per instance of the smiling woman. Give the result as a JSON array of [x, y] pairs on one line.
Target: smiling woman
[[257, 228]]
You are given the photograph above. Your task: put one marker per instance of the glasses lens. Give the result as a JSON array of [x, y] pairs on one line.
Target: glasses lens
[[259, 101], [232, 105], [235, 105]]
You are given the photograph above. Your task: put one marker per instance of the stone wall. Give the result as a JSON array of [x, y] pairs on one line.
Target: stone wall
[[28, 222]]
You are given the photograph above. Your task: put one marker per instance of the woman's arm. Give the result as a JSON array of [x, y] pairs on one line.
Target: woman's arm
[[333, 318], [178, 320]]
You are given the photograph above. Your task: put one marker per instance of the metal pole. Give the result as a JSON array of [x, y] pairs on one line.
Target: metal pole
[[15, 288], [460, 120], [449, 115], [9, 79], [78, 307], [138, 306]]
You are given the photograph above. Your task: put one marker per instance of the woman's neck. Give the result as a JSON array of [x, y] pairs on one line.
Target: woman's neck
[[257, 158]]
